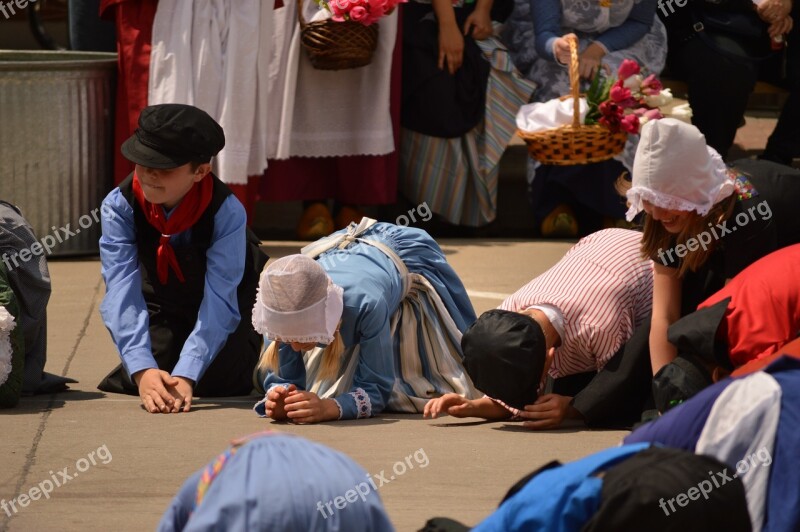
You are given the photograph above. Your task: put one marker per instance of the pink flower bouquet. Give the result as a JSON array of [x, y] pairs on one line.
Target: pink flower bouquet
[[366, 12], [627, 103]]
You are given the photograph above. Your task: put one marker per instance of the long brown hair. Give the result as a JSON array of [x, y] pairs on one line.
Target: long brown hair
[[656, 239], [329, 367]]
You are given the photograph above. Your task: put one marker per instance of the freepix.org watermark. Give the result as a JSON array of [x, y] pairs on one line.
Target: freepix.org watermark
[[101, 455], [663, 5], [45, 245], [362, 489], [715, 480], [9, 7], [715, 232]]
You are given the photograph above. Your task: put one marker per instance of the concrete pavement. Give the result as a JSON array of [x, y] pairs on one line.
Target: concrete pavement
[[123, 465]]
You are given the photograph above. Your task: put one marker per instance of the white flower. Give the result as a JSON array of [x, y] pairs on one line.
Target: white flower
[[659, 100], [6, 326], [6, 320], [634, 83], [681, 112]]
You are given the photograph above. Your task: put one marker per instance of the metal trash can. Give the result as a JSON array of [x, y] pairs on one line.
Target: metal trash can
[[56, 143]]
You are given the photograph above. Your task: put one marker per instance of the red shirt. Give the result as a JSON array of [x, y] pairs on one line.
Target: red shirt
[[764, 311]]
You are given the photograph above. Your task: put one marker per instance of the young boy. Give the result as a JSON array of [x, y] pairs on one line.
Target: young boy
[[181, 268], [576, 323]]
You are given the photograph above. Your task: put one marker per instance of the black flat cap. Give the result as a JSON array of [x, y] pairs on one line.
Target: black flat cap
[[171, 135], [504, 354]]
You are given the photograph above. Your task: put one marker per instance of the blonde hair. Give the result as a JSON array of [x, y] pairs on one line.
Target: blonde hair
[[655, 238], [329, 367]]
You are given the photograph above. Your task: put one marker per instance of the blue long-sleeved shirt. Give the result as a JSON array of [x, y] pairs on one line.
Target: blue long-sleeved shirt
[[546, 16], [124, 311]]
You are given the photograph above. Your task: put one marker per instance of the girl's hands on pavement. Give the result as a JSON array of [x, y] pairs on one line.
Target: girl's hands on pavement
[[307, 407], [276, 398]]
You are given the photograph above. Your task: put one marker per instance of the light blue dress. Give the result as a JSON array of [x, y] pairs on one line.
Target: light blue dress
[[392, 359]]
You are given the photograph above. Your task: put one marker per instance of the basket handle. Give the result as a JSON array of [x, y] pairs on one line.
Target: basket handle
[[574, 79], [300, 14]]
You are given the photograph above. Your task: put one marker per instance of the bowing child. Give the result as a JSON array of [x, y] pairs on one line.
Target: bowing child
[[373, 324], [582, 322], [704, 222]]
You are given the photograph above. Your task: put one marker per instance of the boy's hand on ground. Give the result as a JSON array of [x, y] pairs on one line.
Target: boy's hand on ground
[[450, 403], [548, 411], [153, 384], [307, 407], [182, 392], [275, 401]]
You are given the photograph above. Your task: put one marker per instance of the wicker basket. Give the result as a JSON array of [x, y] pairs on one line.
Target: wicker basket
[[576, 143], [334, 45]]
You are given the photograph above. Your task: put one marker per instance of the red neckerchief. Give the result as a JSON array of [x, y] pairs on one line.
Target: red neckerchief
[[185, 215]]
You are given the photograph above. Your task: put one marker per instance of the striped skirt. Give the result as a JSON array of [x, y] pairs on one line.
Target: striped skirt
[[427, 355], [458, 177]]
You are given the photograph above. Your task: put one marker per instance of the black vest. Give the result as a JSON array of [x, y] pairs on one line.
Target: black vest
[[185, 297]]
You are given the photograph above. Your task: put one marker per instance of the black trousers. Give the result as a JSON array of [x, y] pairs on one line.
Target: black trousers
[[230, 373], [719, 87], [784, 143], [616, 396]]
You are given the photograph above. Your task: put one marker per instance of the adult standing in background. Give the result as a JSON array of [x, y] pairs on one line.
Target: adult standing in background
[[134, 24], [333, 134], [460, 96]]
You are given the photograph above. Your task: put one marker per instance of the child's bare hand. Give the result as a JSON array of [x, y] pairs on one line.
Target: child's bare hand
[[307, 407], [450, 403], [182, 392], [561, 48], [276, 398], [548, 411], [590, 60], [153, 390]]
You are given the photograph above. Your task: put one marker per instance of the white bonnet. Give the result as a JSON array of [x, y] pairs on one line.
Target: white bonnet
[[297, 302], [675, 169]]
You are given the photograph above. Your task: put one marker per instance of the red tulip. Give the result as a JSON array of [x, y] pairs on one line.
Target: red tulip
[[627, 69]]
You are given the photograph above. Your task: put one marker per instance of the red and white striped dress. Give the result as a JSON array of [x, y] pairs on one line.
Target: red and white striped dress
[[604, 289]]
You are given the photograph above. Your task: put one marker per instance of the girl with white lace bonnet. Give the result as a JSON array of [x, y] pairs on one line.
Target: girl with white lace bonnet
[[373, 324], [704, 221]]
